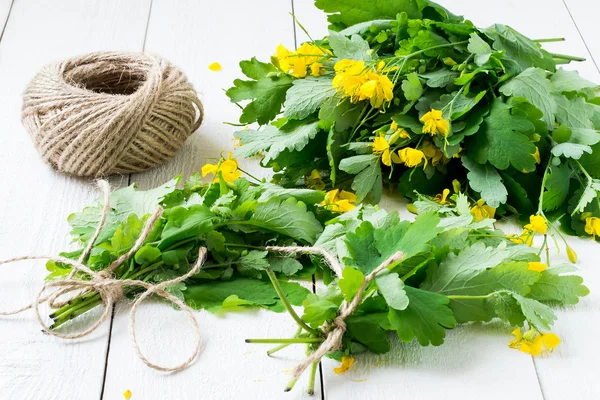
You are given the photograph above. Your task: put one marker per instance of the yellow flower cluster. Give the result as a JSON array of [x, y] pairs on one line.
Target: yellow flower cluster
[[537, 224], [308, 58], [228, 169], [339, 201], [435, 124], [360, 82], [534, 342], [442, 197]]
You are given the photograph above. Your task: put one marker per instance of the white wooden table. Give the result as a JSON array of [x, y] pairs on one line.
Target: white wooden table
[[474, 363]]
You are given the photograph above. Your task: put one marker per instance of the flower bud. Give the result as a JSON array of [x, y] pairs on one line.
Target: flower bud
[[571, 254]]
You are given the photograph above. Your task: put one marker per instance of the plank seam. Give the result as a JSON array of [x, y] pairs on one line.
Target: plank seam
[[581, 35], [112, 317], [538, 377], [144, 44], [7, 18]]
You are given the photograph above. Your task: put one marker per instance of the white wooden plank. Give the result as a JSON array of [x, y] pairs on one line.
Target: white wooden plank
[[36, 201], [583, 13], [477, 354], [193, 35], [4, 11]]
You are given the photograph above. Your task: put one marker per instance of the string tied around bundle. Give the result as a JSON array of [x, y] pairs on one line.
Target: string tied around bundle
[[334, 332], [107, 113], [109, 288]]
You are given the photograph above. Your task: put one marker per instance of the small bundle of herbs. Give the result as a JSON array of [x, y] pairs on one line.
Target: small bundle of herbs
[[410, 95], [455, 267]]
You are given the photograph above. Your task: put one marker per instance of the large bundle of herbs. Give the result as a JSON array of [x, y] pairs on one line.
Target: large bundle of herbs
[[408, 94], [455, 267]]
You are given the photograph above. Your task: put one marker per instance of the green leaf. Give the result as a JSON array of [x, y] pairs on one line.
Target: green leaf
[[426, 318], [306, 96], [456, 270], [412, 87], [513, 276], [253, 260], [574, 112], [255, 69], [485, 180], [273, 141], [533, 85], [519, 48], [391, 287], [350, 12], [319, 309], [258, 293], [439, 78], [307, 196], [455, 105], [569, 81], [355, 48], [364, 330], [539, 315], [566, 289], [571, 150], [368, 179], [267, 95], [285, 265], [351, 281], [591, 162], [146, 254], [123, 202], [479, 48], [335, 141], [500, 141], [557, 187], [288, 217], [126, 234], [184, 223]]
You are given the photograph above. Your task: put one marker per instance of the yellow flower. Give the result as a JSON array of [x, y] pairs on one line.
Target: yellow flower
[[315, 181], [127, 394], [358, 82], [434, 123], [378, 88], [411, 157], [433, 153], [441, 198], [397, 133], [536, 155], [537, 266], [534, 342], [382, 146], [339, 201], [307, 57], [537, 223], [228, 169], [571, 254], [316, 69], [482, 211], [215, 66], [525, 238], [592, 226], [345, 366]]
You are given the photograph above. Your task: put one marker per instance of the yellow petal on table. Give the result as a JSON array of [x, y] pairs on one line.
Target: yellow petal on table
[[215, 66]]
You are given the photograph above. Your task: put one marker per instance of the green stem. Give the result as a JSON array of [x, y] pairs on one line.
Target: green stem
[[311, 379], [290, 384], [286, 340], [287, 304], [74, 301], [250, 175], [284, 345], [567, 57], [467, 297], [145, 270], [246, 246], [76, 311], [541, 202], [548, 40]]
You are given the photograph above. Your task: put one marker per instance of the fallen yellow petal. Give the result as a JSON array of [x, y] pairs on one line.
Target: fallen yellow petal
[[127, 394], [345, 366], [215, 66]]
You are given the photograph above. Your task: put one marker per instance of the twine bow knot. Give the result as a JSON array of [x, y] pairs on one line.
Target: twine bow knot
[[111, 290]]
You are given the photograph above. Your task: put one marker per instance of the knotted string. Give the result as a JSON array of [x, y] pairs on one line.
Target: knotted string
[[109, 288], [334, 333]]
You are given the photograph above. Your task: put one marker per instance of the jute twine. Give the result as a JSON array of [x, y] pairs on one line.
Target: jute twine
[[334, 333], [109, 288], [108, 112]]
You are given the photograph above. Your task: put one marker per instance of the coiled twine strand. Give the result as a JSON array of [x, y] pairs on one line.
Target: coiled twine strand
[[108, 112]]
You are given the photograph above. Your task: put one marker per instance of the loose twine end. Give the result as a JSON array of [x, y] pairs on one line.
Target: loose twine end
[[334, 333], [109, 288]]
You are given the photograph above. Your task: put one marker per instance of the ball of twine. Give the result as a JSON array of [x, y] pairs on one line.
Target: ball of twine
[[109, 112]]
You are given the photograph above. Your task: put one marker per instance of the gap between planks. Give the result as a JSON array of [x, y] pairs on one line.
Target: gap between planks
[[581, 36]]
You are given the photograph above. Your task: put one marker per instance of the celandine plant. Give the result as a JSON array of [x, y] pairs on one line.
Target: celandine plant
[[414, 96]]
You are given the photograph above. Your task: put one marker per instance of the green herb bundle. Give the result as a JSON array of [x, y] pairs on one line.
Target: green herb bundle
[[455, 267], [409, 94]]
